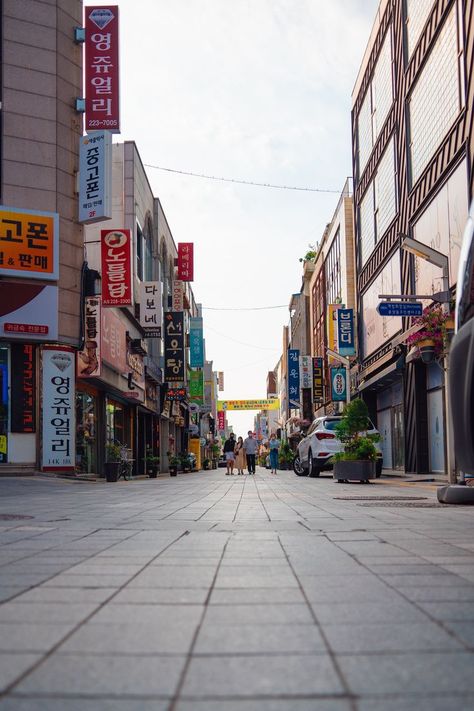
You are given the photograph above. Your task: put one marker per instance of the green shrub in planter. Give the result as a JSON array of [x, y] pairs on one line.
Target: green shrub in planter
[[357, 461]]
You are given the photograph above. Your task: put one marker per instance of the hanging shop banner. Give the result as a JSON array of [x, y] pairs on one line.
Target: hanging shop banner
[[306, 372], [95, 177], [29, 243], [89, 358], [102, 68], [293, 376], [174, 347], [23, 387], [186, 261], [116, 267], [220, 379], [196, 343], [58, 409], [221, 421], [151, 308], [318, 379], [114, 341], [345, 332], [332, 310], [338, 384], [177, 293], [267, 404], [176, 394], [196, 386], [28, 311]]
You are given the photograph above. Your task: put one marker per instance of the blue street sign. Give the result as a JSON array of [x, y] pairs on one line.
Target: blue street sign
[[400, 308]]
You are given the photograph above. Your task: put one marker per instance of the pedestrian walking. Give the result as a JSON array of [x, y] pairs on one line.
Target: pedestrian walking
[[229, 447], [240, 456], [250, 448], [274, 446]]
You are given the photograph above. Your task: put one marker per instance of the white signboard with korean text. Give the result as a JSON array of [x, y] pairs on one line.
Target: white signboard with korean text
[[177, 295], [95, 177], [151, 308], [89, 358], [58, 409], [306, 372]]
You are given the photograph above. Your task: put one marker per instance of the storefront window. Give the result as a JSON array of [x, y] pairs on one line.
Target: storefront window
[[86, 443], [3, 403], [115, 416]]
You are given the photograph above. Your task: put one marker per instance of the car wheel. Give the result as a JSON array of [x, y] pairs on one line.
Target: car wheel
[[378, 469], [313, 470], [298, 467]]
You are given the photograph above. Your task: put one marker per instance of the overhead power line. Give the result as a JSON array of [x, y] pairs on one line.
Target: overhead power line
[[243, 182]]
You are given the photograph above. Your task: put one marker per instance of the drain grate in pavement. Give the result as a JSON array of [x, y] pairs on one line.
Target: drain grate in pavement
[[406, 504], [13, 517], [380, 498]]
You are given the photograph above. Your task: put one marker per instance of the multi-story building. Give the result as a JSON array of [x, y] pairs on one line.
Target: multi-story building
[[413, 146], [41, 243]]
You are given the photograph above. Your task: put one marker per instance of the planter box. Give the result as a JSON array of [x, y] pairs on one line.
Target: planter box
[[111, 470], [356, 470]]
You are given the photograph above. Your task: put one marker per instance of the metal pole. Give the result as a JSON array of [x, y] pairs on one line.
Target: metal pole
[[451, 472]]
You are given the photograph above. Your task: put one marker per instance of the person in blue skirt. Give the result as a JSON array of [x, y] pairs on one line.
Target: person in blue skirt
[[274, 446]]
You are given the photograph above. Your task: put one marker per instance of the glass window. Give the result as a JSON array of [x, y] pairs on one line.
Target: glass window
[[115, 422], [86, 437], [140, 255], [3, 403], [376, 329], [417, 12], [435, 101], [331, 424]]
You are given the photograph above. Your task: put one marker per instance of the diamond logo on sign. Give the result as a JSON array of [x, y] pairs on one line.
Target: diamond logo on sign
[[101, 18], [61, 361]]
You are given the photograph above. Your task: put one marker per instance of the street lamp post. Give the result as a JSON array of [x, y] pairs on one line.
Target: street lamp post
[[432, 256]]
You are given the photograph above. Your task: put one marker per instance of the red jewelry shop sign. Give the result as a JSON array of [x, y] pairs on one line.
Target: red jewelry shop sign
[[102, 69], [116, 267]]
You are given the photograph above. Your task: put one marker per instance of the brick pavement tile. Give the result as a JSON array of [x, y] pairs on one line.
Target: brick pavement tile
[[451, 611], [146, 614], [258, 639], [399, 637], [68, 580], [412, 672], [67, 704], [66, 595], [445, 579], [463, 630], [109, 676], [356, 612], [31, 636], [8, 591], [249, 676], [155, 596], [418, 703], [46, 612], [287, 704], [172, 576], [442, 594], [232, 596], [259, 614], [12, 666]]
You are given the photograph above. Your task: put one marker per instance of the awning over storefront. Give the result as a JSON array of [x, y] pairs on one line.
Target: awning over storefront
[[385, 377]]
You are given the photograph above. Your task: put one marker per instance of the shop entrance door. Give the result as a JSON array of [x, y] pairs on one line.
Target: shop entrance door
[[436, 430], [384, 421], [398, 438]]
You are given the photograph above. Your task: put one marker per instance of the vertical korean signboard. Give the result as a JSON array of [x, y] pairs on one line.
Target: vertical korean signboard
[[29, 243], [306, 372], [196, 343], [338, 384], [151, 308], [174, 347], [332, 310], [345, 332], [221, 421], [95, 177], [102, 68], [23, 388], [116, 267], [177, 294], [58, 399], [89, 358], [186, 261], [293, 377], [318, 379], [196, 386]]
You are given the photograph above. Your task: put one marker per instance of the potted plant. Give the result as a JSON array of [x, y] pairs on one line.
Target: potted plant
[[185, 462], [430, 339], [173, 463], [205, 463], [358, 459], [215, 451], [112, 461], [285, 456], [152, 464]]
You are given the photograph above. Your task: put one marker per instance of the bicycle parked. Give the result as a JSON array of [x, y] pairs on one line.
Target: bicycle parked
[[126, 461]]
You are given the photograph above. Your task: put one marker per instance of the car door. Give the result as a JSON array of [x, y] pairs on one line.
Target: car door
[[461, 356], [304, 444]]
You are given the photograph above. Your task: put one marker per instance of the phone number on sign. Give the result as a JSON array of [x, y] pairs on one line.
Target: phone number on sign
[[95, 123]]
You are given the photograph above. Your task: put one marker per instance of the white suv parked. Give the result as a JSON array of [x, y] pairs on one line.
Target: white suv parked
[[320, 444]]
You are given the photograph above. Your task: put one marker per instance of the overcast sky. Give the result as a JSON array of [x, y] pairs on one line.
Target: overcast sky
[[258, 90]]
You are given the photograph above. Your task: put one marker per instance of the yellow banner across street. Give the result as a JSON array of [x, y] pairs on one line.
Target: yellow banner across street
[[269, 404]]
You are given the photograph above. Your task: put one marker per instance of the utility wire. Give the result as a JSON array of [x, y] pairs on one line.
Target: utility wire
[[244, 308], [242, 182], [249, 345]]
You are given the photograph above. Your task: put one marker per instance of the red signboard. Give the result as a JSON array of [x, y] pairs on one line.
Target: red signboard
[[114, 341], [102, 68], [221, 420], [186, 261], [23, 387], [116, 267]]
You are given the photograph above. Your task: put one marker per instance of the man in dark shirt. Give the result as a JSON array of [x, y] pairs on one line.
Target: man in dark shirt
[[229, 453]]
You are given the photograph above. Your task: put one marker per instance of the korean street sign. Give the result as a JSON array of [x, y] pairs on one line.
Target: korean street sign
[[318, 379], [331, 317], [305, 371], [58, 408], [29, 243], [174, 347], [220, 378], [338, 384], [345, 332], [266, 404], [196, 385], [221, 421], [151, 308], [89, 360], [293, 374], [95, 177], [116, 267], [177, 295], [400, 308], [196, 343], [186, 261], [23, 387], [176, 394], [102, 82]]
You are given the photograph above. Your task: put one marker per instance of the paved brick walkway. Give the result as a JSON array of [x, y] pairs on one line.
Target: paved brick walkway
[[215, 593]]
